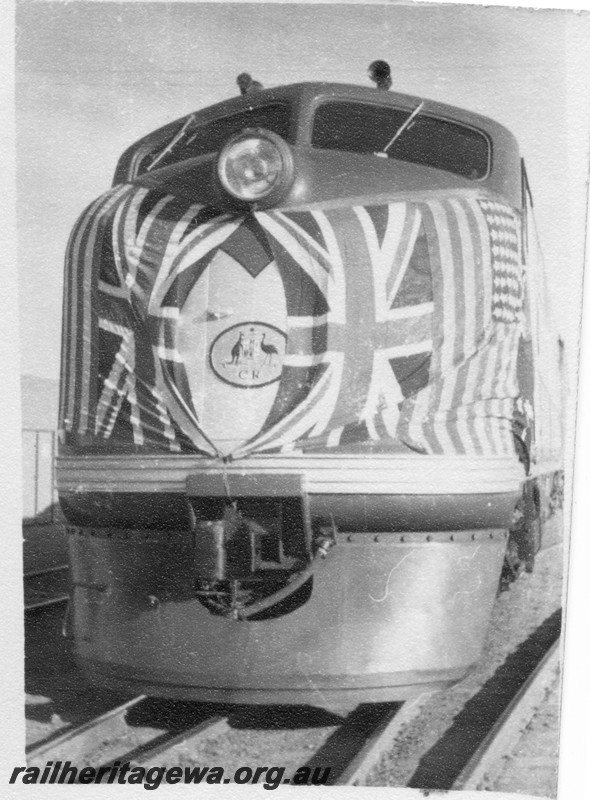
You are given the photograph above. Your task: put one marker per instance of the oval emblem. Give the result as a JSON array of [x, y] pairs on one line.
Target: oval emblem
[[248, 355]]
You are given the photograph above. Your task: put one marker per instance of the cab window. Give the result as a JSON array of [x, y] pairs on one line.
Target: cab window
[[428, 141]]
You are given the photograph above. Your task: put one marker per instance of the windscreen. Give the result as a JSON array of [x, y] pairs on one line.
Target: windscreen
[[428, 141]]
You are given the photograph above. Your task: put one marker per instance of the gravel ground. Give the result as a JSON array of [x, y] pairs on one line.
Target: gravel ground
[[517, 613]]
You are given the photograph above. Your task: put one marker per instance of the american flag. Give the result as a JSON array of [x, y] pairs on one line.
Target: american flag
[[403, 323]]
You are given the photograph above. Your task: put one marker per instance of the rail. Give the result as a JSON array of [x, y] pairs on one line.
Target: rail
[[508, 728], [46, 587]]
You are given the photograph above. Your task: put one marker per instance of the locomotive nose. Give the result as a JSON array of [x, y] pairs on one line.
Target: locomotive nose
[[255, 167]]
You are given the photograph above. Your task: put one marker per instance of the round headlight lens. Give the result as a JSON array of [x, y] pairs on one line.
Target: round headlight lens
[[251, 166]]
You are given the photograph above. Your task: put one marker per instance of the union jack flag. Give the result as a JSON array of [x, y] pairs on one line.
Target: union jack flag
[[402, 323]]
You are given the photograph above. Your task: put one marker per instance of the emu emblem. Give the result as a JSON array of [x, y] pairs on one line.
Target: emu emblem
[[248, 355]]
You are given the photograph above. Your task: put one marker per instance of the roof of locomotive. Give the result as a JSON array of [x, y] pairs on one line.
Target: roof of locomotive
[[311, 94], [503, 175]]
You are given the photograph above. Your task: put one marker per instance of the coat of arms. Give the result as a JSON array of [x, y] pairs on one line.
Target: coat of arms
[[249, 354]]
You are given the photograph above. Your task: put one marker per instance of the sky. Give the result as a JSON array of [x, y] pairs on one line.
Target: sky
[[92, 77]]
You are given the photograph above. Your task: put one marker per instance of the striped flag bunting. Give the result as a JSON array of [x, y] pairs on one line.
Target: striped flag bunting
[[402, 324]]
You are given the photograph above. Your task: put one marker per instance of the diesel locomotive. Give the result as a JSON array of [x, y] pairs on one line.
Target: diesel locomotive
[[306, 382]]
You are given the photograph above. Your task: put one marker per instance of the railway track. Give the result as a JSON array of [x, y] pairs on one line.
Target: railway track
[[456, 755], [114, 738], [505, 733], [46, 587], [385, 725], [135, 731]]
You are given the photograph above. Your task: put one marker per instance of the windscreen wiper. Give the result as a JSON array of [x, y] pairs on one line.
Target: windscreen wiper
[[169, 147], [404, 126]]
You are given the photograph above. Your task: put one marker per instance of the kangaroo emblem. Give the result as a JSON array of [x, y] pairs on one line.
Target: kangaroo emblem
[[237, 350], [249, 354]]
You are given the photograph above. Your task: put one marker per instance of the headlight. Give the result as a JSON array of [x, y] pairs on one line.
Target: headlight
[[255, 165]]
